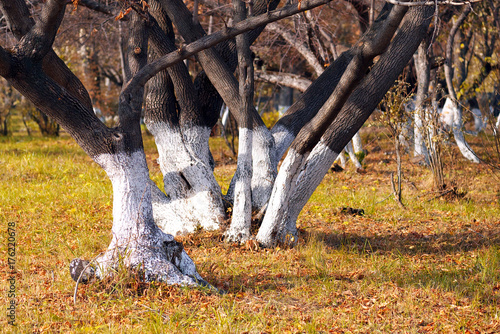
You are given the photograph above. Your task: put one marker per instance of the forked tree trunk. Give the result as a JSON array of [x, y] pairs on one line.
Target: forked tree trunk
[[239, 229], [301, 172], [193, 196]]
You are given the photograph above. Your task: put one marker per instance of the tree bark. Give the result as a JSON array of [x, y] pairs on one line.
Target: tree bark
[[193, 197], [421, 115]]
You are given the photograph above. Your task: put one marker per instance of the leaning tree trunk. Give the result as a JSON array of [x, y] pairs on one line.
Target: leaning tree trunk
[[452, 103], [137, 242], [301, 172]]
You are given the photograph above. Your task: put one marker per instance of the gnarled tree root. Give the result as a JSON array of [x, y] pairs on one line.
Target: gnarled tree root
[[162, 261]]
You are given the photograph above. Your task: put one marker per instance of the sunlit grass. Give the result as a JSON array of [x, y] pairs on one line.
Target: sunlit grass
[[432, 267]]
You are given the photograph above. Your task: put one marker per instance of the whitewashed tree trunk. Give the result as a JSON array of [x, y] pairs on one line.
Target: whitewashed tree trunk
[[283, 137], [297, 179], [457, 125], [479, 121], [342, 159], [492, 111], [301, 173], [137, 242], [264, 168], [352, 156], [239, 229], [193, 195], [419, 132], [357, 144]]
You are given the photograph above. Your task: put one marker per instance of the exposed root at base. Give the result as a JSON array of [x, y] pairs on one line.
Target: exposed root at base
[[167, 263]]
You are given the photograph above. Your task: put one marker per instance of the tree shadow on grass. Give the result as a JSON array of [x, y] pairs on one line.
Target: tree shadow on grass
[[411, 243], [476, 279]]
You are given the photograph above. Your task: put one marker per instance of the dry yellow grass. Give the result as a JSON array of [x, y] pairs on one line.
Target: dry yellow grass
[[432, 268]]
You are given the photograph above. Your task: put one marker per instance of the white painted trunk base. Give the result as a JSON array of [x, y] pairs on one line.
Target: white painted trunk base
[[451, 110], [194, 197], [137, 242], [274, 228], [297, 179], [352, 156], [357, 144], [264, 166], [419, 133], [239, 230], [342, 160], [283, 138]]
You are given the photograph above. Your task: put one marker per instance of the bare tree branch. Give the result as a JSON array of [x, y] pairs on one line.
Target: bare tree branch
[[38, 41], [297, 45], [449, 53], [99, 7], [20, 23], [210, 40], [376, 41], [284, 79], [18, 17], [432, 2]]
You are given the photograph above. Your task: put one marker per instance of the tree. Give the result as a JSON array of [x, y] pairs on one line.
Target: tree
[[180, 112]]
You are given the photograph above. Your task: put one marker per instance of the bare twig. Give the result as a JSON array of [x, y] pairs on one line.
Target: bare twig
[[431, 2]]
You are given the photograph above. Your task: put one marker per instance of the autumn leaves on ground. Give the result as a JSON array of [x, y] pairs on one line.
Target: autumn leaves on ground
[[430, 267]]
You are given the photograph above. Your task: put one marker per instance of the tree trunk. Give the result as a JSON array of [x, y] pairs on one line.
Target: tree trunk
[[193, 197], [421, 117], [451, 104], [136, 240]]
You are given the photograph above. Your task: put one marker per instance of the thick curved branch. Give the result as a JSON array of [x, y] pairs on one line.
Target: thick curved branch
[[131, 102], [20, 23], [99, 7], [18, 17], [377, 40], [38, 41]]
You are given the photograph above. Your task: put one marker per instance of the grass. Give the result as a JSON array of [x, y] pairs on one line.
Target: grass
[[433, 267]]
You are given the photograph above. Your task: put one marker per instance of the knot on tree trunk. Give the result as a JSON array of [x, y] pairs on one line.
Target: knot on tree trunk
[[173, 250]]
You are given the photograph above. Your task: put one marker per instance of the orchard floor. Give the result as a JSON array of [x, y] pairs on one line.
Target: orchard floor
[[432, 266]]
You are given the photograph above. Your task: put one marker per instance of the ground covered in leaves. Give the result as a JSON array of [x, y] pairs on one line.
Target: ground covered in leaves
[[364, 264]]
